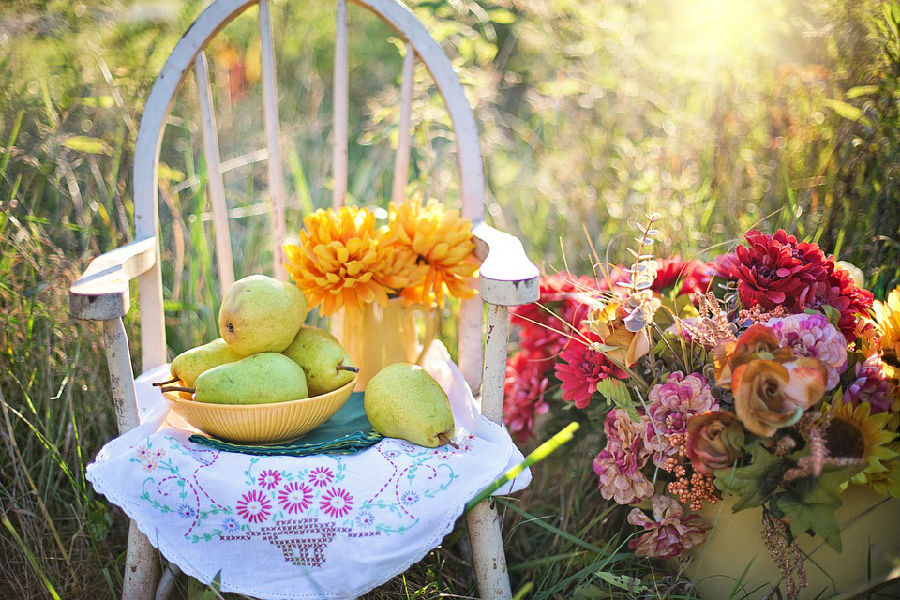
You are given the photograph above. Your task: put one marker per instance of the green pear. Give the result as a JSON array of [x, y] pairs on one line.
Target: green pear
[[404, 401], [326, 363], [257, 379], [188, 365], [261, 314]]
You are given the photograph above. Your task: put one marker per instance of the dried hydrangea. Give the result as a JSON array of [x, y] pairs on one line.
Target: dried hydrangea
[[670, 533], [812, 335], [619, 464], [669, 407], [873, 387]]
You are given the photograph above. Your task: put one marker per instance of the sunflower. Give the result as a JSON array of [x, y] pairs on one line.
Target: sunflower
[[887, 323], [343, 260], [442, 241], [887, 482], [855, 433]]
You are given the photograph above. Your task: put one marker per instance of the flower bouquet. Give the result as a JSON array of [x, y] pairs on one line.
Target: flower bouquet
[[371, 278], [765, 380]]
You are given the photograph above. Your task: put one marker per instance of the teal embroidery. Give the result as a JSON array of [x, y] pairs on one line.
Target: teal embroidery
[[299, 511]]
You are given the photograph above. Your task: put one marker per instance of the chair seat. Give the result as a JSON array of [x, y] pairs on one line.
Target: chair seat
[[292, 527]]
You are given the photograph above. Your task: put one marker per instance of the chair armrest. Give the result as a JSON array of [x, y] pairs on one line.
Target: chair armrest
[[102, 292], [508, 278]]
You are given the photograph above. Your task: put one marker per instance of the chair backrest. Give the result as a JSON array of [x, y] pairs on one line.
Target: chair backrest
[[189, 52]]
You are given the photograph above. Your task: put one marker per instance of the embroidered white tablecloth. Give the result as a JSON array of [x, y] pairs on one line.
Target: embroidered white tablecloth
[[290, 527]]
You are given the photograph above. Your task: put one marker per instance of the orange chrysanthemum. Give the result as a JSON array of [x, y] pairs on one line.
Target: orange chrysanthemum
[[440, 239], [344, 260]]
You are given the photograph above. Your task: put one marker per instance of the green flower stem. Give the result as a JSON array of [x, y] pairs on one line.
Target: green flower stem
[[539, 454]]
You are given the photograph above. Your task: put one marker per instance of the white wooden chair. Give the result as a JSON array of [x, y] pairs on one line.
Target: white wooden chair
[[507, 277]]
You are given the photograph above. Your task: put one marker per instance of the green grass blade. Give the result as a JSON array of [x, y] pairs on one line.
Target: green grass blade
[[539, 521], [32, 559], [539, 454], [13, 136]]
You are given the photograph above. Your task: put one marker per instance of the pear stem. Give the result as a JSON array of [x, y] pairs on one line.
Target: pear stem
[[444, 440], [346, 368], [162, 383], [177, 388]]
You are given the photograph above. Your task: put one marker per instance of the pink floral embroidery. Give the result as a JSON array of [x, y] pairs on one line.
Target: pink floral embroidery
[[295, 497], [254, 507], [148, 458], [321, 476], [337, 503], [269, 479], [443, 454]]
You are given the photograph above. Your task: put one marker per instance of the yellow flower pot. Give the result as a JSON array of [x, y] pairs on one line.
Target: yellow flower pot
[[260, 423], [870, 530], [378, 336]]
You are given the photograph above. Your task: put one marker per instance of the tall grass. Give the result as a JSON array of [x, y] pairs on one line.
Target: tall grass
[[722, 117]]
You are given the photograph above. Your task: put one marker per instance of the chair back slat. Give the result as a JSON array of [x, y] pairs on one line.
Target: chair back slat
[[341, 107], [270, 116], [420, 46], [404, 129], [224, 262]]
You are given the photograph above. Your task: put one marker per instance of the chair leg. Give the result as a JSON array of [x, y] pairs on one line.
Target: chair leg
[[141, 562], [483, 521], [141, 567], [488, 559]]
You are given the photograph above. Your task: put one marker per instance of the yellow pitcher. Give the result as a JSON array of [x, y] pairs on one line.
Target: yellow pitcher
[[378, 336]]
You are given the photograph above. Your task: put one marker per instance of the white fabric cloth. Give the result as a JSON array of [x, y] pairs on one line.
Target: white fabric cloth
[[289, 527]]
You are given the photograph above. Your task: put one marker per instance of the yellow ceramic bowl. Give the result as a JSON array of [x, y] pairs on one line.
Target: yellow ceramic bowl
[[260, 423]]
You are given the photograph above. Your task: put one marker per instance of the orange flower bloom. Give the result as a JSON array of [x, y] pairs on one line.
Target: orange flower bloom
[[343, 260], [441, 241], [758, 341], [769, 395]]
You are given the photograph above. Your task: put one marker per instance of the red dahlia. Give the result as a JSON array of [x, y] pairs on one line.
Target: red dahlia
[[539, 330], [694, 275], [726, 266], [775, 270], [581, 369], [527, 378]]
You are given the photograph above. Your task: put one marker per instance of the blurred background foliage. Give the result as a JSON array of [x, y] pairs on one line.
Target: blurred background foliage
[[720, 114]]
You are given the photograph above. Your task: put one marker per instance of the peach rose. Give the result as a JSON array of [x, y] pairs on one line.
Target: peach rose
[[769, 395], [714, 440], [758, 341]]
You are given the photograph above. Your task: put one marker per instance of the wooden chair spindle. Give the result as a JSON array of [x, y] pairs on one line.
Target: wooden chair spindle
[[341, 107], [270, 114], [404, 128], [214, 175]]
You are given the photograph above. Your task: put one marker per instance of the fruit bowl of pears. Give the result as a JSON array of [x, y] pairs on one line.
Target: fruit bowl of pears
[[269, 378]]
